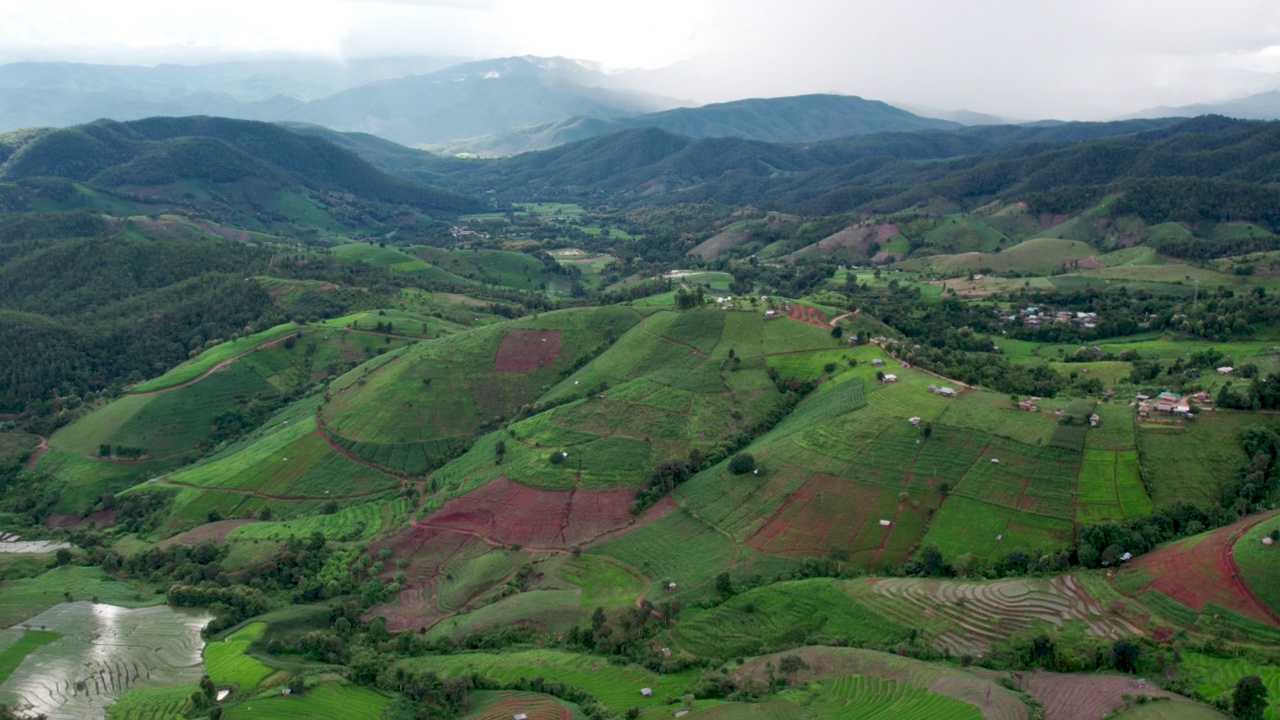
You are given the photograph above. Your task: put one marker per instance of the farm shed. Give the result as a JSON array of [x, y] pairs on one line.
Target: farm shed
[[914, 420], [1225, 370], [647, 692], [891, 378], [877, 362], [1028, 405], [947, 392], [1095, 420]]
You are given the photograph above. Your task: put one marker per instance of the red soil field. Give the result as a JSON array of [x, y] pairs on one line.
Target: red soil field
[[1084, 696], [806, 314], [825, 511], [215, 532], [1206, 573], [535, 706], [508, 513], [525, 350]]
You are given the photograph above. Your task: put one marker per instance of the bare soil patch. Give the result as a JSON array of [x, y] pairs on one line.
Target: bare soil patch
[[1207, 573], [215, 532], [510, 513], [525, 350], [1085, 696], [716, 244], [72, 521]]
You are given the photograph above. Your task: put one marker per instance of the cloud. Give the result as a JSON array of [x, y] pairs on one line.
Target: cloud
[[1084, 58]]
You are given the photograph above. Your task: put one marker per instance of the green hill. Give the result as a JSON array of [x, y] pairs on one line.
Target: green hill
[[201, 158]]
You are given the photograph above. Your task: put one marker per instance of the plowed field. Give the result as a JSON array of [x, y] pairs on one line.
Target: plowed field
[[525, 350]]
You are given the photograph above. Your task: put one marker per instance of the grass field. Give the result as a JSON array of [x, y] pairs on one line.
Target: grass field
[[783, 615], [145, 703], [206, 360], [858, 697], [617, 686], [1185, 463], [1258, 562], [22, 598], [227, 662], [996, 414], [1110, 488], [13, 655], [1214, 678], [327, 701]]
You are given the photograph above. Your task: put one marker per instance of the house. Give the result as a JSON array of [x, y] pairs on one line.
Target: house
[[890, 378], [1095, 420], [1144, 409], [947, 392], [1028, 405], [1202, 396], [1167, 401]]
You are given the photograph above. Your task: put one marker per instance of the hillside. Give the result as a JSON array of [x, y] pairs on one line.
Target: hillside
[[198, 160], [649, 165], [973, 423], [804, 118]]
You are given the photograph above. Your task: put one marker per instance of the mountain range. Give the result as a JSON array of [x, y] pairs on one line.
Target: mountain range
[[487, 108]]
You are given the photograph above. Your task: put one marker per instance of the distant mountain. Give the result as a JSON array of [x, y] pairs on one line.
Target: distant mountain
[[803, 118], [1262, 106], [476, 99], [650, 164], [220, 162], [60, 94]]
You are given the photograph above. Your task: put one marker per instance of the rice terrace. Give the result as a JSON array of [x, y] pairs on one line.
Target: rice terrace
[[779, 409]]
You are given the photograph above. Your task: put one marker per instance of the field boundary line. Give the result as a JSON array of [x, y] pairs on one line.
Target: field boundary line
[[220, 366]]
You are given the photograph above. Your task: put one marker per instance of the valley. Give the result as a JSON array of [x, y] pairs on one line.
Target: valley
[[638, 428]]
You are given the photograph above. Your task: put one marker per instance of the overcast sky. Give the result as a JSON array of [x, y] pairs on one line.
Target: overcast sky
[[1018, 58]]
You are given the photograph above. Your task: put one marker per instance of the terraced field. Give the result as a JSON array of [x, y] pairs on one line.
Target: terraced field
[[905, 678], [968, 617], [862, 697], [143, 703], [506, 704], [781, 615], [105, 651], [227, 663]]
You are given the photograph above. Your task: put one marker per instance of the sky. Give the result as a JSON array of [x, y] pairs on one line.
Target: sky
[[1022, 59]]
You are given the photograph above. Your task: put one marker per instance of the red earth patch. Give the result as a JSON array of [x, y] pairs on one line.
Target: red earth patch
[[806, 314], [525, 350], [831, 511], [509, 513], [1203, 573]]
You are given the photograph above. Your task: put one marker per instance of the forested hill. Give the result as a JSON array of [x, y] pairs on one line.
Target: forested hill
[[162, 150], [976, 163], [803, 118]]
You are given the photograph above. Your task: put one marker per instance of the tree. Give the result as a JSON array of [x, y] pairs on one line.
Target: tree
[[499, 450], [789, 665], [1249, 700], [1125, 654], [837, 332], [742, 463], [724, 585]]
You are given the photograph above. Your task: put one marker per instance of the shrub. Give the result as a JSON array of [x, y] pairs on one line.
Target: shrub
[[742, 463]]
